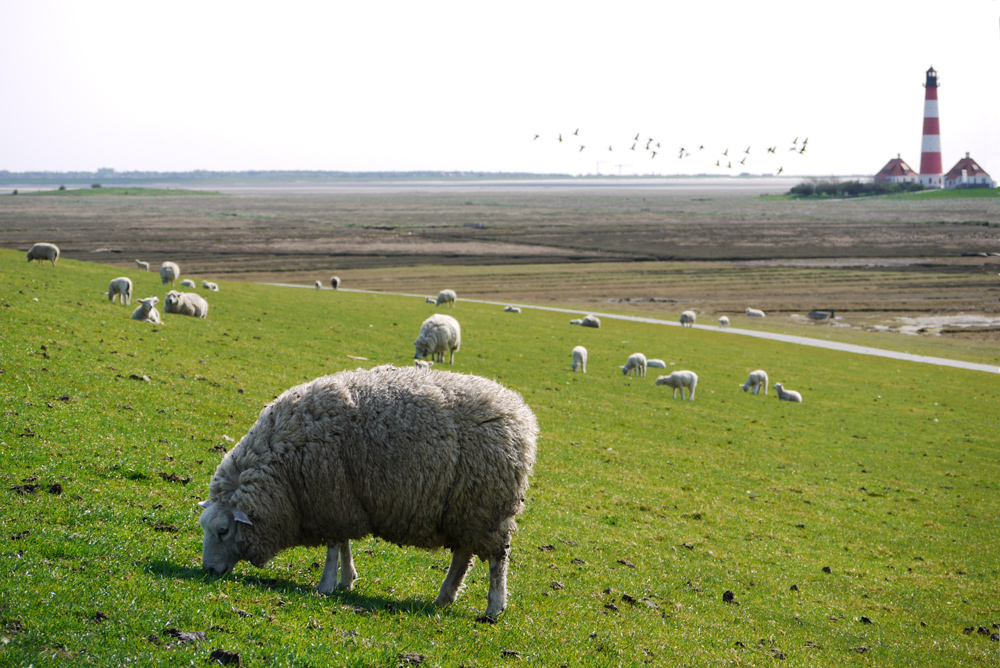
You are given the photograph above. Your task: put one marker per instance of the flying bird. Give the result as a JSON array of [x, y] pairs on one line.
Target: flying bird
[[560, 137], [581, 147], [781, 169], [536, 137], [577, 131], [743, 160], [652, 156], [747, 151], [726, 152], [637, 136], [633, 147], [609, 147]]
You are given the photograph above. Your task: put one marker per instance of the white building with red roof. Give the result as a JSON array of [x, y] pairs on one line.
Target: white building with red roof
[[967, 174], [897, 171]]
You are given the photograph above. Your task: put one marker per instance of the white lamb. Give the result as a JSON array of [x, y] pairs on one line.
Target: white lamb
[[335, 282], [423, 364], [754, 313], [147, 311], [44, 251], [724, 322], [688, 318], [636, 364], [142, 265], [121, 286], [755, 381], [580, 359], [319, 285], [208, 285], [169, 272], [188, 283], [446, 297], [656, 364], [512, 309], [587, 321], [438, 334], [186, 303], [787, 395], [679, 380]]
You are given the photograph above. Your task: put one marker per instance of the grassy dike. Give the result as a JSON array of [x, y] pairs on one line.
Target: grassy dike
[[643, 511]]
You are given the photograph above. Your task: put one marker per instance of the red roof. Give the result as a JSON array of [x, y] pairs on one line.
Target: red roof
[[970, 166], [895, 167]]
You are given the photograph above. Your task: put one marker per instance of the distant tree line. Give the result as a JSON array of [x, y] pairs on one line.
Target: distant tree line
[[851, 188]]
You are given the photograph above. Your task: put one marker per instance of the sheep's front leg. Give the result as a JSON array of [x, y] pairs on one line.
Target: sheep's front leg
[[337, 551], [460, 563], [496, 600], [347, 572]]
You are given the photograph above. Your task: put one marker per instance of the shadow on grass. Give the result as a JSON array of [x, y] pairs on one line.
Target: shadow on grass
[[361, 603]]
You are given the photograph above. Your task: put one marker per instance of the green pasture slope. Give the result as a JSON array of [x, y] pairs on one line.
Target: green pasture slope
[[858, 528]]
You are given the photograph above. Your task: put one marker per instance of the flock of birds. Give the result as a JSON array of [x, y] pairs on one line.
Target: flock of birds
[[653, 147]]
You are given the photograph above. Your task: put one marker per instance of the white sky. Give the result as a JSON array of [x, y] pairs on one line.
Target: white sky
[[465, 86]]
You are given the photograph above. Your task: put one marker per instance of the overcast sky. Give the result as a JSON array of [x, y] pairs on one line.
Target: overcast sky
[[466, 86]]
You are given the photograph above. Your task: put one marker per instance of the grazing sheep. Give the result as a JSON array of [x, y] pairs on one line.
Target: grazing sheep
[[185, 303], [724, 322], [430, 300], [142, 265], [147, 311], [208, 285], [587, 321], [120, 286], [44, 251], [188, 283], [755, 381], [754, 313], [679, 380], [335, 282], [787, 395], [438, 334], [636, 363], [169, 272], [429, 460], [512, 309], [656, 364], [423, 364], [318, 285], [446, 297], [688, 318], [580, 359]]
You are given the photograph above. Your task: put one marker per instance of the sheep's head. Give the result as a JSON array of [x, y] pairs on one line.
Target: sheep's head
[[422, 348], [225, 536], [148, 303], [173, 298]]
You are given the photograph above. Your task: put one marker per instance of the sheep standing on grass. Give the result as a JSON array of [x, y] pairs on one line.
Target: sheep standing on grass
[[318, 285], [186, 303], [446, 297], [430, 460], [208, 285], [147, 311], [636, 364], [723, 322], [580, 359], [121, 286], [688, 318], [755, 381], [787, 395], [656, 364], [142, 265], [754, 313], [44, 251], [439, 334], [169, 272], [335, 282], [188, 283], [679, 380]]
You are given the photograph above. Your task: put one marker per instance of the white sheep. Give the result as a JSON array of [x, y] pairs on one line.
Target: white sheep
[[44, 251], [142, 265], [208, 285], [335, 282], [438, 334], [318, 285], [121, 286], [755, 381], [512, 309], [446, 297], [430, 460], [723, 322], [679, 380], [636, 364], [186, 303], [580, 359], [169, 272], [587, 321], [656, 364], [188, 283], [147, 311], [423, 364], [754, 313], [688, 318], [787, 395]]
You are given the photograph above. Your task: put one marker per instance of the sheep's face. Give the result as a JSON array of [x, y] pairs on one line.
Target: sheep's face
[[225, 542], [173, 299], [423, 349], [149, 303]]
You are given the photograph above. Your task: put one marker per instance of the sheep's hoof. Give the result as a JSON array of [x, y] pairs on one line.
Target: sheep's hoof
[[486, 619]]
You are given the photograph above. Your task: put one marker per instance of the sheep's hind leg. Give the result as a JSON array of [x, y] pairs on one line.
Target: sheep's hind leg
[[348, 574], [461, 560], [337, 551]]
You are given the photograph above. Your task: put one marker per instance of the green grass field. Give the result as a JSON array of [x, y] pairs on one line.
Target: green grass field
[[643, 511]]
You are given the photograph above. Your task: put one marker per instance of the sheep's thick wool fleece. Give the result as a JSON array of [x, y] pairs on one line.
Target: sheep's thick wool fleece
[[429, 459]]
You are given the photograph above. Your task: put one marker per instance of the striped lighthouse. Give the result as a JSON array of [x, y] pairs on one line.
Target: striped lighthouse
[[931, 174]]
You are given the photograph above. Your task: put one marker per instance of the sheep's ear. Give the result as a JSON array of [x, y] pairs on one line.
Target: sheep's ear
[[207, 503], [241, 517]]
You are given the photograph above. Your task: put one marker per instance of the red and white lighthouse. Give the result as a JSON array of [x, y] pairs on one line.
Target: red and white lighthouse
[[931, 174]]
